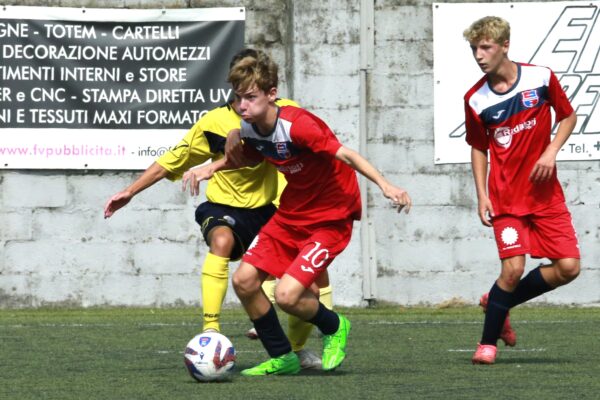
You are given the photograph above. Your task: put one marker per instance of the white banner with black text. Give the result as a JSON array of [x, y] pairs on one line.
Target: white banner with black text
[[564, 36]]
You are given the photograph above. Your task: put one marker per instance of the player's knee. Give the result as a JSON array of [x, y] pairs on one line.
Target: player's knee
[[285, 299], [243, 284], [512, 271], [568, 268], [222, 242]]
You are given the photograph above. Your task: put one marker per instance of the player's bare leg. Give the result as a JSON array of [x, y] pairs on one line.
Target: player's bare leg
[[215, 275], [295, 299], [247, 281], [561, 271], [299, 330], [540, 280], [268, 286]]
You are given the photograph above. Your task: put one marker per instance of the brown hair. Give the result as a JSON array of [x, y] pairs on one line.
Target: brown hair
[[492, 28], [254, 68]]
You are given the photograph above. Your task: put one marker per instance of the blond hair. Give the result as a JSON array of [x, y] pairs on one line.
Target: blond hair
[[491, 28], [255, 68]]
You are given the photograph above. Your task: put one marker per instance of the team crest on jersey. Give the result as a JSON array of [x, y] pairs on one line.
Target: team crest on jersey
[[530, 98], [282, 150]]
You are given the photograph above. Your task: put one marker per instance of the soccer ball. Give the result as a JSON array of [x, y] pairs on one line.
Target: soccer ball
[[209, 356]]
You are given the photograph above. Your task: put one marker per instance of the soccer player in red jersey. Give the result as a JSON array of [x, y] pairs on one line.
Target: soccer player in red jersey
[[313, 223], [507, 114]]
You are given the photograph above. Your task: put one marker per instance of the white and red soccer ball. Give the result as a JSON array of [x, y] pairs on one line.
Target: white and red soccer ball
[[209, 356]]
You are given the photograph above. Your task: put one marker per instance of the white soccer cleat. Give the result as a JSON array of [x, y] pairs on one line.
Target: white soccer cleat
[[308, 359], [251, 334]]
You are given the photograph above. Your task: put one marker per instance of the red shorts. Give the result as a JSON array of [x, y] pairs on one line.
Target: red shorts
[[545, 234], [303, 252]]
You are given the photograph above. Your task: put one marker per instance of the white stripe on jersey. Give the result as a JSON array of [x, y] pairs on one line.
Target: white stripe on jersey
[[532, 77], [280, 134]]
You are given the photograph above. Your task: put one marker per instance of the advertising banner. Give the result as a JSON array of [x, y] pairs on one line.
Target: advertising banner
[[564, 36], [108, 88]]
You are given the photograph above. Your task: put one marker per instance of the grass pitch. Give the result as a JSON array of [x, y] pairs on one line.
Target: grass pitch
[[393, 353]]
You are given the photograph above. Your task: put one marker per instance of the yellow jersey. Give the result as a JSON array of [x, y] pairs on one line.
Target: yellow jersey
[[248, 187]]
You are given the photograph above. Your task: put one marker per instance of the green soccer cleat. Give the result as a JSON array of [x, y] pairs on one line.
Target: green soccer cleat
[[286, 364], [334, 345]]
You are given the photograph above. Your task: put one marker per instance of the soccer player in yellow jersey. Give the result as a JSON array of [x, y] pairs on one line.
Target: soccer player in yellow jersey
[[239, 203]]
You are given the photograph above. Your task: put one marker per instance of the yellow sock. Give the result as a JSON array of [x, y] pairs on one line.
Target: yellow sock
[[215, 273], [326, 297], [268, 287], [298, 330]]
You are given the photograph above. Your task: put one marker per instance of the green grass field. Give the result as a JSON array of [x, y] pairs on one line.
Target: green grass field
[[393, 353]]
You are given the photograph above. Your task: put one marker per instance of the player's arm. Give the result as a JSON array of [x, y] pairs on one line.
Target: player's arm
[[234, 146], [479, 163], [153, 174], [196, 175], [544, 167], [399, 196]]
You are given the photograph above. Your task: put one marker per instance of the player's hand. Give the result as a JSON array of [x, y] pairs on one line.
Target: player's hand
[[400, 198], [116, 202], [195, 176], [234, 147], [544, 167], [486, 211]]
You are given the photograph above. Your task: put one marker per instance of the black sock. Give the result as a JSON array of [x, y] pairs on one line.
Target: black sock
[[326, 320], [498, 305], [533, 285], [271, 334]]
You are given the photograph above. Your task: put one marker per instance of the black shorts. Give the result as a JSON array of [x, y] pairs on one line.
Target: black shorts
[[244, 222]]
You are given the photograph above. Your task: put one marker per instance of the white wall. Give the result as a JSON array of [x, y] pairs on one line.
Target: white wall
[[56, 248]]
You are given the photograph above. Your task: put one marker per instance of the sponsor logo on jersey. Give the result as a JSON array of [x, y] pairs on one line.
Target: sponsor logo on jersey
[[291, 169], [530, 98], [503, 134]]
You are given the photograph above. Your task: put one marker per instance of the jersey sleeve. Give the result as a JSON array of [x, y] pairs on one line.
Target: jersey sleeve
[[558, 99], [310, 132], [194, 149], [476, 131], [251, 153]]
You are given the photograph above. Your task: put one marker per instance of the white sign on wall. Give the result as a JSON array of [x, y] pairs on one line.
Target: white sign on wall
[[564, 36], [108, 88]]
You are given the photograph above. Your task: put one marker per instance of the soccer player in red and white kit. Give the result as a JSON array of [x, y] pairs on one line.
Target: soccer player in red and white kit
[[507, 114], [313, 223]]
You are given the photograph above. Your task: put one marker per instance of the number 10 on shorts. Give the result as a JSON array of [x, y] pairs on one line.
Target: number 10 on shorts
[[316, 257]]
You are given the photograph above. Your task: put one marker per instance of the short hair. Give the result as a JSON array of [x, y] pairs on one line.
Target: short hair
[[241, 54], [492, 28], [253, 67]]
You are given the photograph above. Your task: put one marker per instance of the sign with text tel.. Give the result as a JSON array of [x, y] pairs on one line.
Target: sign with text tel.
[[108, 88]]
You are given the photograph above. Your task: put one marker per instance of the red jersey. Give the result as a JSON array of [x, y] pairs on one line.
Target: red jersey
[[515, 127], [319, 187]]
